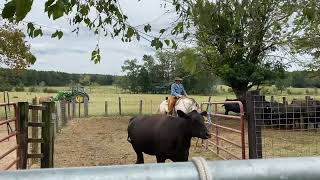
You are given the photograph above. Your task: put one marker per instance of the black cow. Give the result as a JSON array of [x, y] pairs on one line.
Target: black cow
[[166, 137], [231, 107]]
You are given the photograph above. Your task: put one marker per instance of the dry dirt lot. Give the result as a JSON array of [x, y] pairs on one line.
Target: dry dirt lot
[[101, 141]]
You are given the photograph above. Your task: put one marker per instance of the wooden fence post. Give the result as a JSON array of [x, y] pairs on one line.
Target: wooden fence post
[[69, 114], [8, 100], [63, 112], [106, 108], [73, 108], [209, 100], [284, 101], [86, 106], [120, 106], [47, 136], [55, 119], [22, 139], [140, 107], [254, 128], [34, 131], [79, 109]]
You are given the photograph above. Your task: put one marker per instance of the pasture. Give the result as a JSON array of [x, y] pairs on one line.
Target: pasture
[[98, 140], [130, 102]]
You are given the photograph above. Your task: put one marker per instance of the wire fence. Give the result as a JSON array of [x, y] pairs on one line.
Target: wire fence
[[286, 128]]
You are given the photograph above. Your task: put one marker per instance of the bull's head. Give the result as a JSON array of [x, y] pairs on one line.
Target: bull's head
[[197, 123]]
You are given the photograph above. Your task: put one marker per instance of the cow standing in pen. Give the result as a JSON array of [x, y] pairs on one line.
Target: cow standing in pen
[[166, 137]]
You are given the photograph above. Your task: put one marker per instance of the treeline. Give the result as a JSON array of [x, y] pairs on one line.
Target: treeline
[[156, 74], [11, 78], [298, 79]]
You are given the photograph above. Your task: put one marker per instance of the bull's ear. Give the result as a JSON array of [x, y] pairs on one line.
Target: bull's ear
[[204, 113], [181, 113]]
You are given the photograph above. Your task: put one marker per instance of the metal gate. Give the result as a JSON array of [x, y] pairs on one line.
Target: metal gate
[[6, 149], [227, 131]]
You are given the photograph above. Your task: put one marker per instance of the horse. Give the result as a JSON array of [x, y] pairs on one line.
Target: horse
[[184, 104]]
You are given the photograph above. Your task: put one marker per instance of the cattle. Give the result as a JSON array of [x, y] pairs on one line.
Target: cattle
[[45, 99], [310, 111], [166, 137], [289, 115], [231, 107]]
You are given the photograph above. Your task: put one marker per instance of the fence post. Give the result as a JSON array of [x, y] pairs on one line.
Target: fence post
[[63, 112], [22, 138], [140, 107], [34, 131], [120, 106], [254, 128], [73, 108], [106, 108], [86, 106], [69, 114], [284, 101], [79, 109], [209, 100], [8, 100], [57, 126], [47, 136]]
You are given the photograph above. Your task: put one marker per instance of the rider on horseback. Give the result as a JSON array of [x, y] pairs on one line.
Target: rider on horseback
[[177, 91]]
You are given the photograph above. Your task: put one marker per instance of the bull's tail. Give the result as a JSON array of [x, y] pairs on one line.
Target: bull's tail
[[128, 138]]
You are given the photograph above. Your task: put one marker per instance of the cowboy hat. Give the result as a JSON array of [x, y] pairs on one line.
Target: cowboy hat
[[178, 79]]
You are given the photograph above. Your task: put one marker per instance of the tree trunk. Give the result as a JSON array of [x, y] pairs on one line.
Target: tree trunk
[[241, 95]]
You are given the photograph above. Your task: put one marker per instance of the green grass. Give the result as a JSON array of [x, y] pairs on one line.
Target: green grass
[[130, 102]]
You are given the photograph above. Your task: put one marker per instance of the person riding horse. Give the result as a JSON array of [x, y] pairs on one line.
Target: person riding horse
[[177, 91]]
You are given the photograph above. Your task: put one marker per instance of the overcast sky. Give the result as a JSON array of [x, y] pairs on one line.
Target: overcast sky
[[72, 53]]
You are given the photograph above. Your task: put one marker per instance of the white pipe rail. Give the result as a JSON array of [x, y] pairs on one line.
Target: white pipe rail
[[306, 168]]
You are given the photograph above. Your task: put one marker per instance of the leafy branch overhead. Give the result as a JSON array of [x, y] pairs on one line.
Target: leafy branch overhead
[[101, 17]]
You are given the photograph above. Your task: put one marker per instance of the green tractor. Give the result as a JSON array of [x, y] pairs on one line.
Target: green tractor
[[71, 94]]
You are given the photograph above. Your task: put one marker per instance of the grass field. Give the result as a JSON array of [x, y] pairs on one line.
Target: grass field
[[130, 102]]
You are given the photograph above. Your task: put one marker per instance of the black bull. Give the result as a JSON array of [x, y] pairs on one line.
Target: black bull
[[166, 137]]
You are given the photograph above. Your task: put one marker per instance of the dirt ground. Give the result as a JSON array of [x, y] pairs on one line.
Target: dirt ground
[[101, 141], [7, 145]]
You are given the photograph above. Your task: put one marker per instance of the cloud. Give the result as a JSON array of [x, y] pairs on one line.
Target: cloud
[[72, 53]]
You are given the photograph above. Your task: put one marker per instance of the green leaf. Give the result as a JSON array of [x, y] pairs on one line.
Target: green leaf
[[162, 31], [186, 36], [9, 9], [130, 32], [38, 32], [147, 28], [167, 41], [57, 13], [174, 45], [58, 34], [30, 29], [22, 8], [138, 36], [95, 56], [47, 4]]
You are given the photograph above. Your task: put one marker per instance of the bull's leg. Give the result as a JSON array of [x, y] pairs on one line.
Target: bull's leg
[[226, 112], [140, 159], [160, 159]]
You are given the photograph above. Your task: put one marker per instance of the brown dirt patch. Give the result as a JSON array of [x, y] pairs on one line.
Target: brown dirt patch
[[101, 141], [6, 146]]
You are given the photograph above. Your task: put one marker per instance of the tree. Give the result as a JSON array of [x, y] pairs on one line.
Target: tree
[[85, 80], [101, 17], [239, 40], [14, 52]]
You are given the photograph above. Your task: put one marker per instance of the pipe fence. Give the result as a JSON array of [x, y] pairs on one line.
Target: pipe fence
[[306, 168]]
